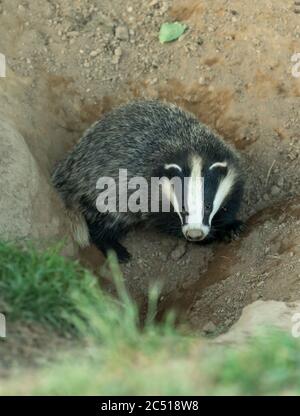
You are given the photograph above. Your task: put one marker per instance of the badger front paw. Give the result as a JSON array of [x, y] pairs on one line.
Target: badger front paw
[[122, 253]]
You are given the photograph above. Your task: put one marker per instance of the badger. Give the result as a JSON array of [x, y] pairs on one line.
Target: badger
[[151, 139]]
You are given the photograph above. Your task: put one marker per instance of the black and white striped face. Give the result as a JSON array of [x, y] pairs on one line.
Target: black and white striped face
[[206, 189]]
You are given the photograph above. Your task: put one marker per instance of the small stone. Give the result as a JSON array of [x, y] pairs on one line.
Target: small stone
[[179, 251], [201, 81], [95, 53], [72, 33], [209, 328], [275, 190], [118, 51], [280, 182], [115, 59], [200, 41], [122, 33]]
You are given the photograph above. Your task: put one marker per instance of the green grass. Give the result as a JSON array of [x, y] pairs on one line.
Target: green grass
[[41, 286], [268, 364], [118, 356]]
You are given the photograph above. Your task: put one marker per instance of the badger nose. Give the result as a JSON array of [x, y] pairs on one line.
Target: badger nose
[[194, 235]]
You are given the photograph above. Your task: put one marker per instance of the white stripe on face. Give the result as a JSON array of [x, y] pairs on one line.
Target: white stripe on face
[[195, 193], [223, 191], [168, 190], [194, 229]]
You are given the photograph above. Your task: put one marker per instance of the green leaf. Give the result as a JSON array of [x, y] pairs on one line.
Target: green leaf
[[171, 31]]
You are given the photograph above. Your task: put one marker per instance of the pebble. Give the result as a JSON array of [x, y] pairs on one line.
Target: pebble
[[201, 81], [122, 33], [118, 51], [200, 41], [280, 182], [275, 190], [95, 53], [73, 33], [179, 251], [209, 328]]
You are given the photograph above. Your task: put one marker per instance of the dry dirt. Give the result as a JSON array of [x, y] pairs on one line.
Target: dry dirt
[[71, 61]]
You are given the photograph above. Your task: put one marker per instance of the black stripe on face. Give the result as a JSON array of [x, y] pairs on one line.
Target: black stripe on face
[[176, 173], [212, 180]]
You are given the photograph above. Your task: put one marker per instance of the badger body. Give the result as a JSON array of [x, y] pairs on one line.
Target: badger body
[[152, 139]]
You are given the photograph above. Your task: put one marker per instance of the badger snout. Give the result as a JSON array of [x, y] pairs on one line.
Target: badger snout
[[195, 233]]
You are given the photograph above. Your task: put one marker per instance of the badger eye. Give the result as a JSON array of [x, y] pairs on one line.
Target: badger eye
[[207, 207]]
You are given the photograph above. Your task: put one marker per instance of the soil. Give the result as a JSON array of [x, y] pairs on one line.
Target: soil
[[69, 62]]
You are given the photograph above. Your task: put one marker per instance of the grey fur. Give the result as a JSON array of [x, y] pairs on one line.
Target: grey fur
[[138, 137]]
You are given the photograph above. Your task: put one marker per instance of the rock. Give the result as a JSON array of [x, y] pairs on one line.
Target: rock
[[200, 41], [280, 182], [72, 33], [201, 81], [275, 190], [118, 51], [179, 251], [122, 33], [95, 53], [209, 328], [29, 206], [261, 315]]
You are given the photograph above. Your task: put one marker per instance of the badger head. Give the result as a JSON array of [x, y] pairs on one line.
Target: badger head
[[206, 196]]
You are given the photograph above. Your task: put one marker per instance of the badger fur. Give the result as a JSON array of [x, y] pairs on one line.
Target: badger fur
[[152, 139]]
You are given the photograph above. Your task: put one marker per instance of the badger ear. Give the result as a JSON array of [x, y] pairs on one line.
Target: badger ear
[[168, 170], [172, 170], [172, 166], [221, 166]]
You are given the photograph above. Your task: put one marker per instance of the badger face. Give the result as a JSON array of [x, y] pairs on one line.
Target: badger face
[[206, 189]]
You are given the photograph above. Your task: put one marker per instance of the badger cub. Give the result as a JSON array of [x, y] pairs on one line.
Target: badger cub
[[150, 139]]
